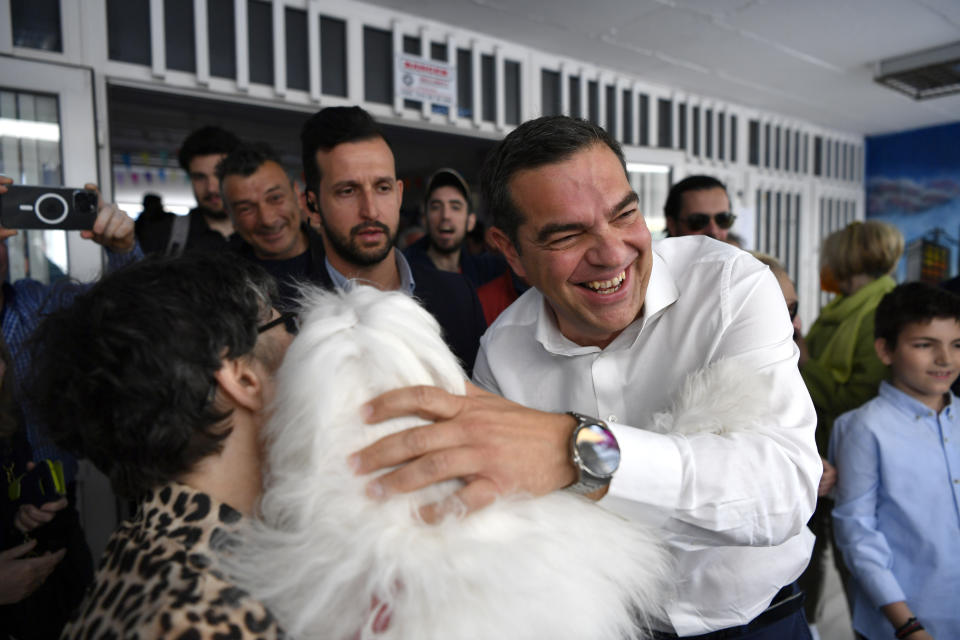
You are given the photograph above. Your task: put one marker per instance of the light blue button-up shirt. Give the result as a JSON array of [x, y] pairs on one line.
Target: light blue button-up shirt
[[897, 516], [407, 283]]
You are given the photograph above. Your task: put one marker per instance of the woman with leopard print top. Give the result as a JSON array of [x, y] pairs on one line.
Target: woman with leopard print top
[[161, 375]]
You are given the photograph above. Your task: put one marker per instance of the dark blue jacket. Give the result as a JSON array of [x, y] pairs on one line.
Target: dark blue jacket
[[478, 269], [450, 298]]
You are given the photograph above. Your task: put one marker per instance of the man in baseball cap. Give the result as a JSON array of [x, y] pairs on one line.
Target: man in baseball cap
[[448, 217]]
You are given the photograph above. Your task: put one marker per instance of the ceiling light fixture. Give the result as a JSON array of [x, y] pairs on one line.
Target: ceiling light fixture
[[922, 75]]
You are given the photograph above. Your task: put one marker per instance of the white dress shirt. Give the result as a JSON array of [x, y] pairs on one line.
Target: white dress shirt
[[733, 507]]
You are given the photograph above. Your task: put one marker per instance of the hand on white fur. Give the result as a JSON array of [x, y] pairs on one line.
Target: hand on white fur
[[497, 446], [330, 562]]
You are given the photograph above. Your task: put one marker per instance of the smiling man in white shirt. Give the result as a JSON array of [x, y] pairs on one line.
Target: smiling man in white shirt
[[614, 328]]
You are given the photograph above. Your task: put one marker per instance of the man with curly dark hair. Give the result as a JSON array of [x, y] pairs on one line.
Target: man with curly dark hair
[[161, 375], [207, 227]]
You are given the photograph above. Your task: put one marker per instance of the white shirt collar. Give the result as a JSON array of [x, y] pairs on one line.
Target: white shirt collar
[[661, 293]]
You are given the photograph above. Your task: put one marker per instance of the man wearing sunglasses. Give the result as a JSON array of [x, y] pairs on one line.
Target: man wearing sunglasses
[[699, 205]]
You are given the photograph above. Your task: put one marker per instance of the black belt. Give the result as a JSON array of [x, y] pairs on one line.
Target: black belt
[[788, 600]]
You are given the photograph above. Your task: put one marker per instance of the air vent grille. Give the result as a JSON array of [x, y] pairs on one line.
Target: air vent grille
[[926, 74]]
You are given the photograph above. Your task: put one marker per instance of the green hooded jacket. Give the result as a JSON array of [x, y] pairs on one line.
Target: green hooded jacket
[[844, 371]]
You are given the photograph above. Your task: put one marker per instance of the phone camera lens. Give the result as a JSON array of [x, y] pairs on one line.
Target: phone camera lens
[[85, 202]]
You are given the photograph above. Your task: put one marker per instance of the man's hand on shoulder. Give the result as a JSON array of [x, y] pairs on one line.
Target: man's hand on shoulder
[[497, 446], [113, 228]]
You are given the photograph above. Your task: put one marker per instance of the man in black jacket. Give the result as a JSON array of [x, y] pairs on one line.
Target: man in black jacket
[[354, 197]]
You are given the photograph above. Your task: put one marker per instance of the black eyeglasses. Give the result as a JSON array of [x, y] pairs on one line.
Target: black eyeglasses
[[290, 321], [699, 221]]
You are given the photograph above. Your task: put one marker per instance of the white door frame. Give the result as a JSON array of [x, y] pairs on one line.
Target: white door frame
[[73, 87]]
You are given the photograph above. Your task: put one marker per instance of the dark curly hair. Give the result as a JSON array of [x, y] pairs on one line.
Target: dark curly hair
[[204, 142], [533, 144], [125, 376], [913, 302]]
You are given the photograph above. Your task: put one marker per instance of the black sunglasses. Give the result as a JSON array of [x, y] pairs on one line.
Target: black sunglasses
[[699, 221], [290, 321]]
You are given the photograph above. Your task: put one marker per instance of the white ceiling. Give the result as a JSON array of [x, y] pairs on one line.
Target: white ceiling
[[809, 59]]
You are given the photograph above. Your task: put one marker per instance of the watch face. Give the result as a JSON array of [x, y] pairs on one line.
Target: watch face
[[598, 450]]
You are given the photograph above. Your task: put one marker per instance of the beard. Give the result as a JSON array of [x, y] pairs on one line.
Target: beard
[[350, 250]]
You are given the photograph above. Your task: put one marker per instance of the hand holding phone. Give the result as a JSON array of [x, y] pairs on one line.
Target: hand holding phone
[[30, 207], [106, 224], [113, 228]]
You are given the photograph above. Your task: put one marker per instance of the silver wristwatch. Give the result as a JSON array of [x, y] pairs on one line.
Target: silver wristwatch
[[594, 452]]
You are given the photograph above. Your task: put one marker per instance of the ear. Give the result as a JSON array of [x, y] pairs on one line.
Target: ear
[[508, 250], [399, 192], [313, 209], [241, 383], [672, 227], [471, 221], [311, 201], [883, 352]]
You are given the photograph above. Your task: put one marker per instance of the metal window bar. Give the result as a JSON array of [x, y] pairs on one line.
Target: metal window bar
[[757, 232], [794, 267], [787, 231], [781, 227], [768, 241]]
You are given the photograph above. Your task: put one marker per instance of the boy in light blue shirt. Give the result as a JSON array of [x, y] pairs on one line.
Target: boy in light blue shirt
[[897, 513]]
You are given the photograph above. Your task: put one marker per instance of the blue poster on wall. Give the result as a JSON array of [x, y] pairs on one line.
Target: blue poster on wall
[[913, 182]]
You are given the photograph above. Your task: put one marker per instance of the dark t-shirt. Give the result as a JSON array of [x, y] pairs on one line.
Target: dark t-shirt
[[288, 274], [154, 235]]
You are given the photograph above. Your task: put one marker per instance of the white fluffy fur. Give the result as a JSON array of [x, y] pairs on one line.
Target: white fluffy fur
[[552, 567], [722, 398]]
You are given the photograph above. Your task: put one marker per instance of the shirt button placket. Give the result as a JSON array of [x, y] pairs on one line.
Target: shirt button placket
[[608, 392]]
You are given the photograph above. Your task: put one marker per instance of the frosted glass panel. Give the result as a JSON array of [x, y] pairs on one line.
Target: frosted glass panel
[[30, 153]]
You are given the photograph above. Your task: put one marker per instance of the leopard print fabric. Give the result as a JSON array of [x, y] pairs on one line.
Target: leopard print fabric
[[159, 578]]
